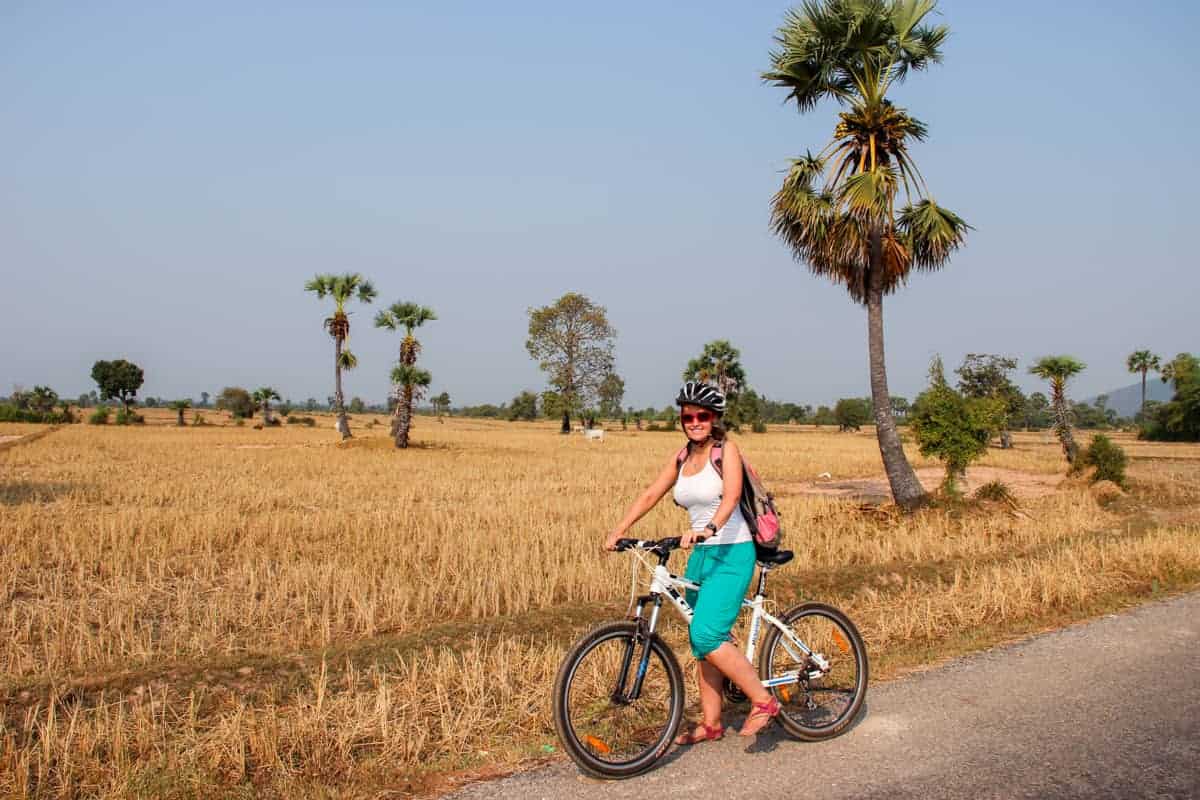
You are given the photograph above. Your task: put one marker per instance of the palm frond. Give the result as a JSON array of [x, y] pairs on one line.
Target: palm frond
[[347, 360], [408, 375], [931, 232]]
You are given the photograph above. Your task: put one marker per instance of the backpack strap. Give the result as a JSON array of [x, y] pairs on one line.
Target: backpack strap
[[715, 455]]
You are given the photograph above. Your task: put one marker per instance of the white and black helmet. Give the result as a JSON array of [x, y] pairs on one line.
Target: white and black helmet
[[695, 393]]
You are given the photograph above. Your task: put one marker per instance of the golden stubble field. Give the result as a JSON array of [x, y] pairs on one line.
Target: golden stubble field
[[221, 610]]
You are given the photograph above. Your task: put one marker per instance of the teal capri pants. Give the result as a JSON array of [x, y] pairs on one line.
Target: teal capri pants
[[723, 572]]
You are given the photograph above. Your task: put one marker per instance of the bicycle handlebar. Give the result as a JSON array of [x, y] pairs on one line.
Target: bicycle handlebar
[[660, 546]]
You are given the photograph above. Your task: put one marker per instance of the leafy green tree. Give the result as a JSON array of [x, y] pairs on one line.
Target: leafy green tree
[[118, 380], [1183, 369], [838, 210], [410, 316], [204, 399], [262, 400], [237, 401], [985, 376], [1036, 414], [523, 406], [572, 341], [850, 413], [953, 428], [1058, 370], [180, 406], [824, 416], [552, 404], [1142, 361], [1179, 419], [611, 392], [342, 288], [357, 406]]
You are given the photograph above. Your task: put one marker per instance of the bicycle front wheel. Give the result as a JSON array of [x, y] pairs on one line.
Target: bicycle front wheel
[[830, 684], [607, 732]]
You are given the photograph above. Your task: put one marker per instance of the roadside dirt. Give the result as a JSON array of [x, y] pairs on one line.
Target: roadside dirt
[[1023, 485]]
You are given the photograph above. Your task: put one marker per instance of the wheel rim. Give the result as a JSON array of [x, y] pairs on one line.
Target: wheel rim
[[611, 733], [820, 702]]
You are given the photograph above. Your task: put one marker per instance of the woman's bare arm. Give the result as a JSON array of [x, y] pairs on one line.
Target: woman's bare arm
[[645, 501]]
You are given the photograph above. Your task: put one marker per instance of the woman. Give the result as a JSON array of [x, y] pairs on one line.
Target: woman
[[722, 561]]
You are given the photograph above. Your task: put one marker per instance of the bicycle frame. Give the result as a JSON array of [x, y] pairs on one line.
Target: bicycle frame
[[664, 582]]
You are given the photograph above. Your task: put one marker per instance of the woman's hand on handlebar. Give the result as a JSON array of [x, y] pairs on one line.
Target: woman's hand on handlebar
[[610, 543], [691, 537]]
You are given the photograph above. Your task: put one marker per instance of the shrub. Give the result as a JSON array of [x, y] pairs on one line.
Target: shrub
[[1108, 459], [759, 426], [11, 413], [129, 417], [307, 421], [996, 491], [100, 416], [198, 419]]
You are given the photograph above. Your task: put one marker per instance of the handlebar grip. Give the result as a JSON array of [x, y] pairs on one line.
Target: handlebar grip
[[670, 543], [625, 544]]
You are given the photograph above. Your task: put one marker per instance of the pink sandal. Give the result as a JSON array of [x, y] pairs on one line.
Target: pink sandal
[[760, 717], [711, 734]]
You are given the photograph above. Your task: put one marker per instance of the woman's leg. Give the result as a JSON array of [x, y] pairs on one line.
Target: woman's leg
[[731, 663], [711, 686]]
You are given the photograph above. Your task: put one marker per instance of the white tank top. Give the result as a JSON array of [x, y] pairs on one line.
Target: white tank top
[[700, 494]]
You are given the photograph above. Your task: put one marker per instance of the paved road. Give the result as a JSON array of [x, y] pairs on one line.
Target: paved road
[[1106, 710]]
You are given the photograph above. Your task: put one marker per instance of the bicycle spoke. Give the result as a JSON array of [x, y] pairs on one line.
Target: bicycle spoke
[[617, 731]]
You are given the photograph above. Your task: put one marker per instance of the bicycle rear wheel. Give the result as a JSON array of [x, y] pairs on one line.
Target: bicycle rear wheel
[[607, 734], [825, 699]]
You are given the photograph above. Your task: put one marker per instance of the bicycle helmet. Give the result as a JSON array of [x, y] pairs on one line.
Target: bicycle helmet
[[695, 393]]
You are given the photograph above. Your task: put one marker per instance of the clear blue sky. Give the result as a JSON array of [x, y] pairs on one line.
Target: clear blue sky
[[172, 173]]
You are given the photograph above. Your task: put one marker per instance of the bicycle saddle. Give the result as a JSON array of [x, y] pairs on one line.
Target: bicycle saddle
[[776, 558]]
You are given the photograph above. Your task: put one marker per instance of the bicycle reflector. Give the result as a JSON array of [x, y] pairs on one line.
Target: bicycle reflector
[[785, 694], [840, 640], [597, 745]]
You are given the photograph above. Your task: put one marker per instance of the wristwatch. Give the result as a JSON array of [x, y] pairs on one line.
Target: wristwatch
[[712, 528]]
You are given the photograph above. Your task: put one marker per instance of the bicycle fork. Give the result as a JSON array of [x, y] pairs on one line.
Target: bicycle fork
[[640, 642]]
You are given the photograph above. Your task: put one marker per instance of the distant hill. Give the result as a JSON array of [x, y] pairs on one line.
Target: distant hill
[[1128, 399]]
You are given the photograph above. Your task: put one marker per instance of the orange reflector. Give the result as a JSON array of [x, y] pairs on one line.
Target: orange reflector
[[785, 693], [841, 641], [597, 745]]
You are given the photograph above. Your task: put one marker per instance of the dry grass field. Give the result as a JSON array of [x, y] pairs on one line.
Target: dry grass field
[[224, 611]]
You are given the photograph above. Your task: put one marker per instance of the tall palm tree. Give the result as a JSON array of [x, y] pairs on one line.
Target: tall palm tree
[[342, 288], [1058, 370], [411, 380], [262, 398], [837, 210], [1142, 361]]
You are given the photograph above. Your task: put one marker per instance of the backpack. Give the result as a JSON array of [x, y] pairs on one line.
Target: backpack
[[757, 505]]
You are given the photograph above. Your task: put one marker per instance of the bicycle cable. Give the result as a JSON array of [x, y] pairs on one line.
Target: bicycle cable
[[633, 578]]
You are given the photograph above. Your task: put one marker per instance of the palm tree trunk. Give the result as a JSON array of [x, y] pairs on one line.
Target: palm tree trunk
[[566, 424], [343, 425], [1062, 422], [404, 419], [1142, 410], [906, 489]]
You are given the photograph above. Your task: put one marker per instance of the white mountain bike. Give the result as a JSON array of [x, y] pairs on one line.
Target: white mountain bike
[[619, 695]]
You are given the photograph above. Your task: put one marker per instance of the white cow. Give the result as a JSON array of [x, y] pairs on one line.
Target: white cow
[[594, 435]]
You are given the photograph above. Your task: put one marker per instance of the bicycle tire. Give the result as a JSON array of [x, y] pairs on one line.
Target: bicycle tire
[[793, 717], [587, 758]]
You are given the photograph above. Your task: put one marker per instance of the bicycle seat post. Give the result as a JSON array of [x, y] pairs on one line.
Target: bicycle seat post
[[763, 569]]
